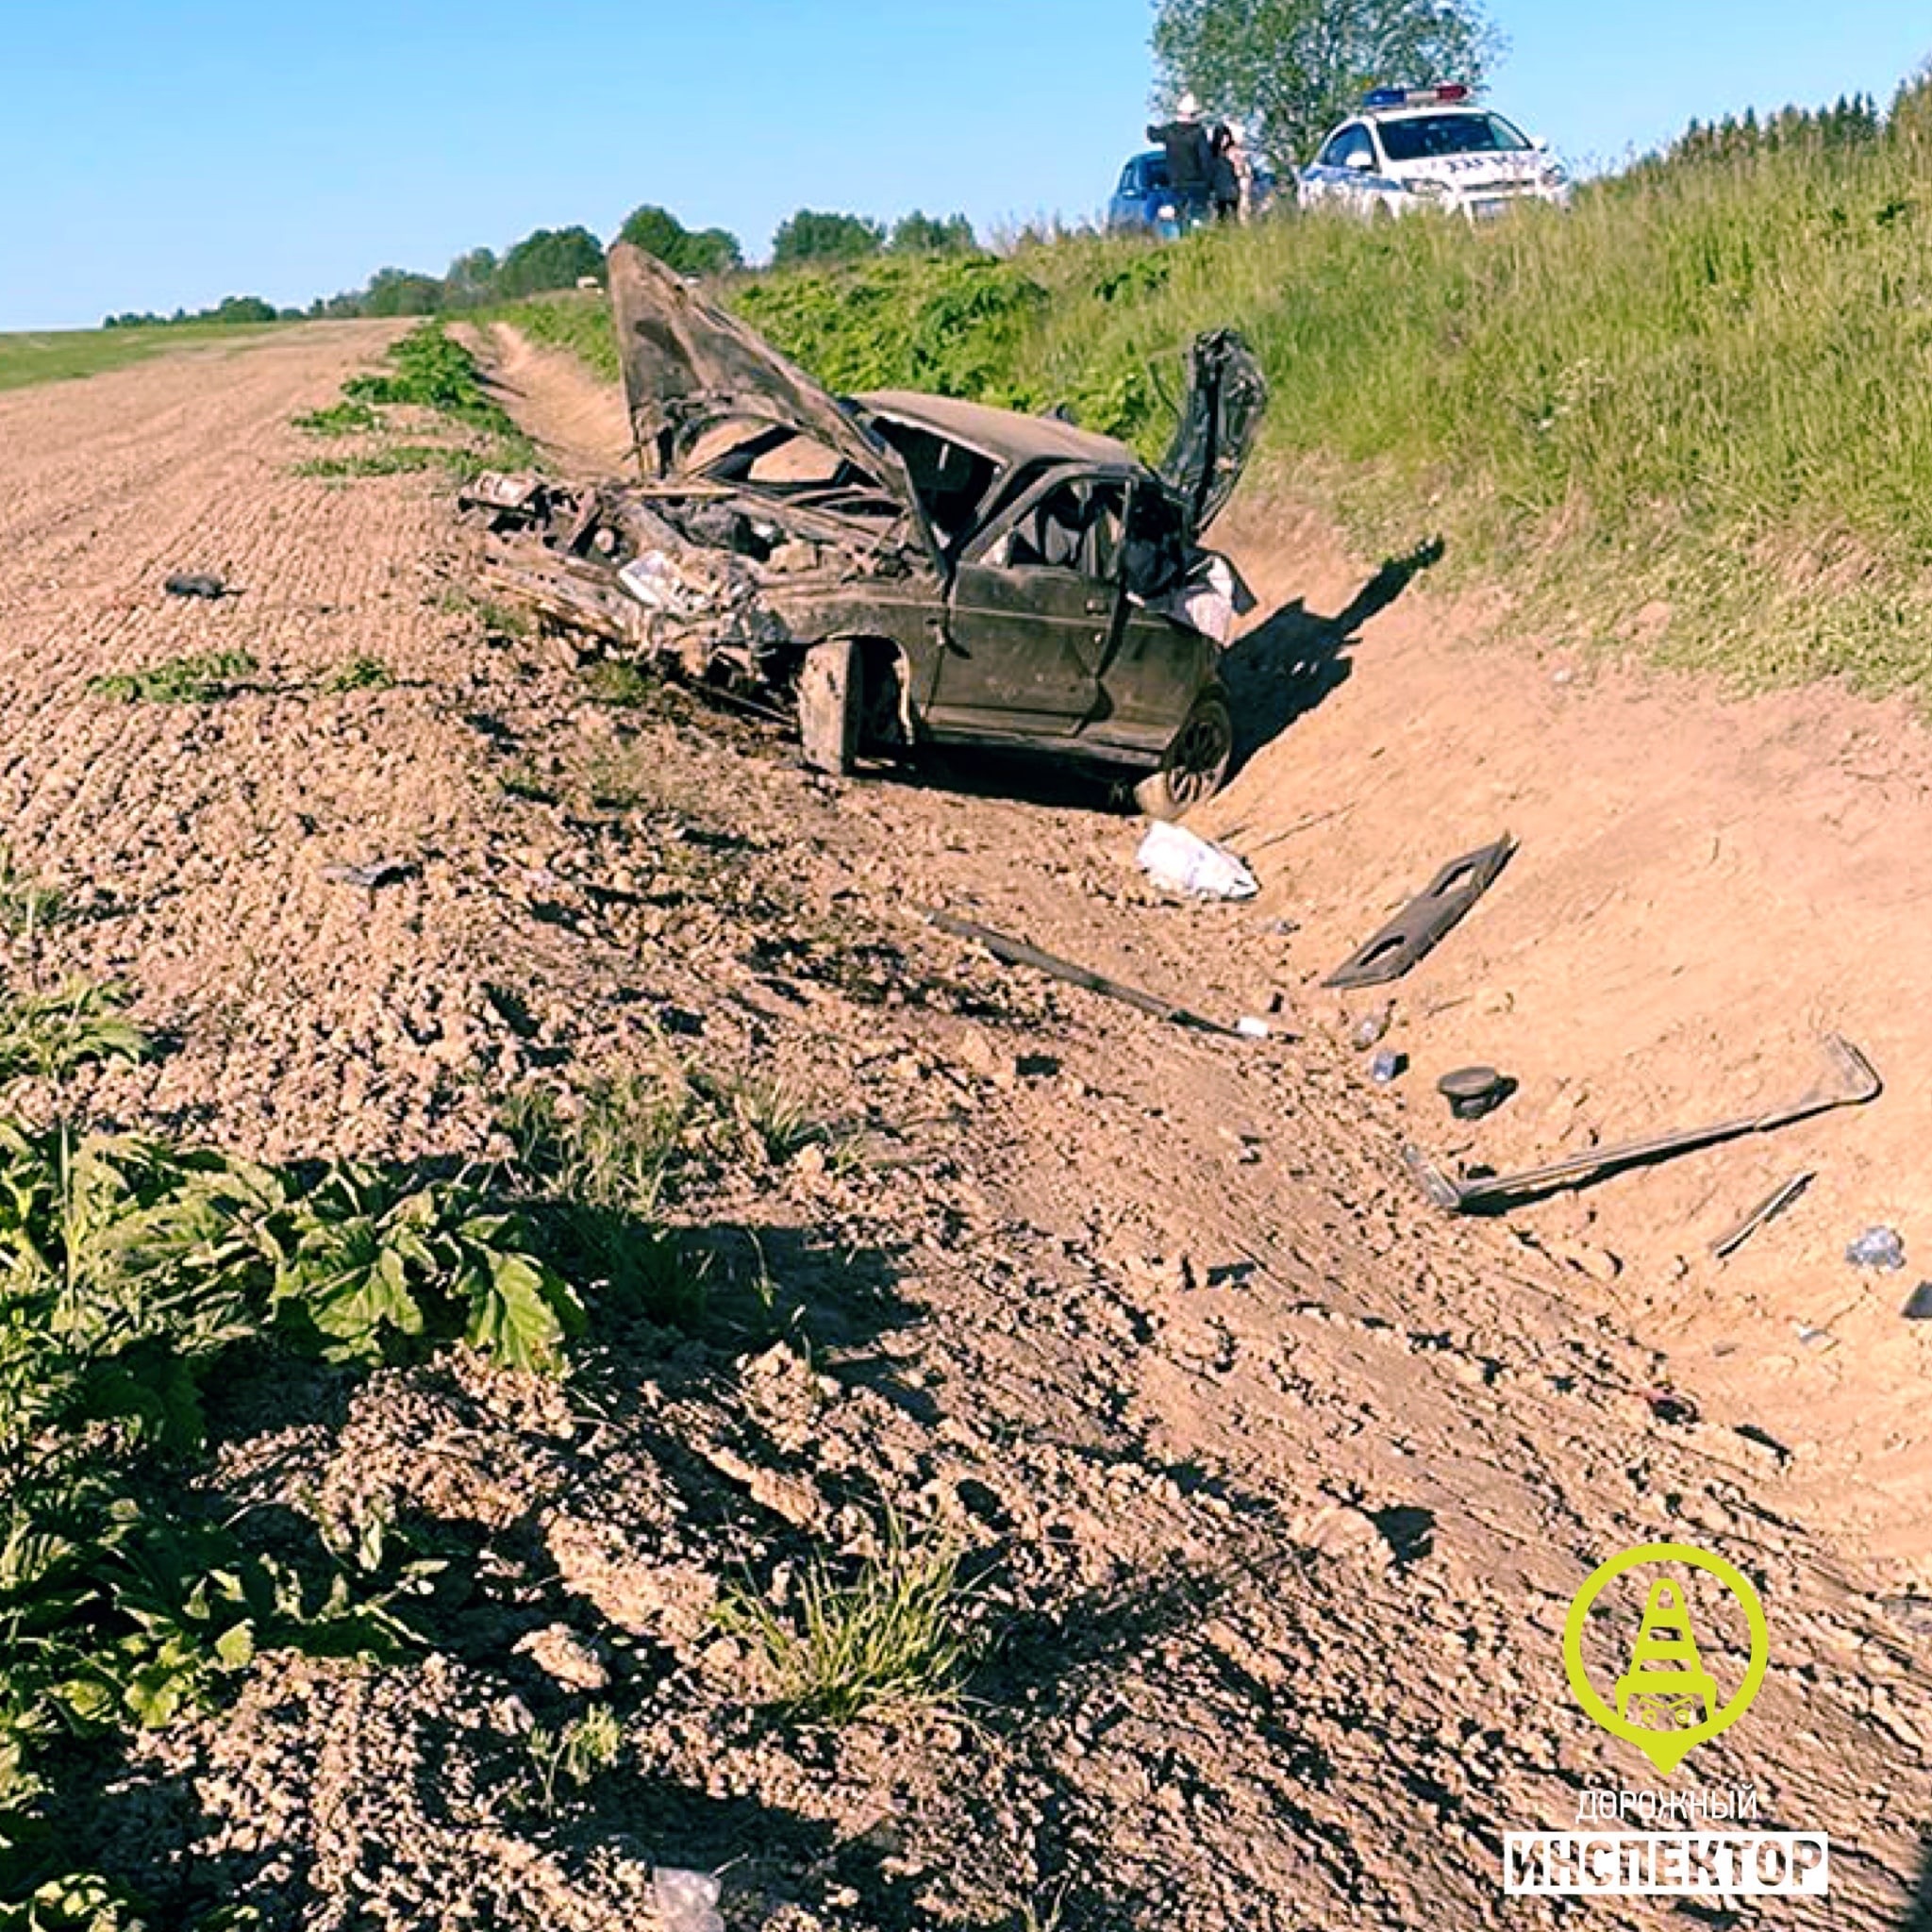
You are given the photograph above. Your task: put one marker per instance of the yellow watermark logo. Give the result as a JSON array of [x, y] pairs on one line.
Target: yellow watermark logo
[[1666, 1702]]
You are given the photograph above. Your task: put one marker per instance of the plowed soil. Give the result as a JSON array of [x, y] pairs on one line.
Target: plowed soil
[[1276, 1483]]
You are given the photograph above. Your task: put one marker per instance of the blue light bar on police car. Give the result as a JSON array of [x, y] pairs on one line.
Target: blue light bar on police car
[[1415, 96]]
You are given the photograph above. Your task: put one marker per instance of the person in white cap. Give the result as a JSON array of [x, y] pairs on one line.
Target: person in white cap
[[1190, 158]]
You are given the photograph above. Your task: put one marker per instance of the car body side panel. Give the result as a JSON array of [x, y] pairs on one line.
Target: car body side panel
[[908, 612], [1023, 651], [1157, 671]]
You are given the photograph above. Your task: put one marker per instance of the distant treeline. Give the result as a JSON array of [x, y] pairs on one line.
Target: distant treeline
[[563, 258], [1852, 120]]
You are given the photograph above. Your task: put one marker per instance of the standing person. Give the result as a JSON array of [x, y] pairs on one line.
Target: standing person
[[1189, 159], [1224, 180], [1242, 159]]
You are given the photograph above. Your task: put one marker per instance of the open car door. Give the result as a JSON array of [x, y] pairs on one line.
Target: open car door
[[1221, 418]]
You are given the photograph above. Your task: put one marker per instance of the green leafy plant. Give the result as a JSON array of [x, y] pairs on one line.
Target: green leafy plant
[[203, 679], [26, 907], [49, 1034], [340, 418], [430, 369], [891, 1638], [360, 674], [367, 1263], [588, 1745], [392, 459]]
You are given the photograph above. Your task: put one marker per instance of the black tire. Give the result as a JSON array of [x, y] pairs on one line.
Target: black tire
[[1195, 766]]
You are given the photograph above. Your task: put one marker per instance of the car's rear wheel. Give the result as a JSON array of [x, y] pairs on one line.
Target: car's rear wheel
[[1195, 766]]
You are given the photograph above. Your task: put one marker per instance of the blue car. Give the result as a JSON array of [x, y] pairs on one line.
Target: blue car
[[1144, 202]]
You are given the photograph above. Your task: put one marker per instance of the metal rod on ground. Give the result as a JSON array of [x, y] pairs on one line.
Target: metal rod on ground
[[1018, 952], [1853, 1083], [1769, 1208]]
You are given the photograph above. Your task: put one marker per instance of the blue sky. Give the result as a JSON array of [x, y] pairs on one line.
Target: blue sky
[[157, 156]]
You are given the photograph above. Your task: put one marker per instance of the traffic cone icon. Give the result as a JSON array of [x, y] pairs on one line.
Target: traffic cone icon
[[1666, 1688]]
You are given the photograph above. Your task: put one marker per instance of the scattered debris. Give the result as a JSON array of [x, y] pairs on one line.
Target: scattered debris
[[1918, 1306], [1017, 952], [1767, 1210], [1184, 862], [1877, 1248], [1809, 1337], [1386, 1067], [559, 1653], [1473, 1091], [1667, 1405], [378, 873], [1424, 922], [1854, 1083], [1764, 1440], [196, 584], [687, 1900], [1370, 1028]]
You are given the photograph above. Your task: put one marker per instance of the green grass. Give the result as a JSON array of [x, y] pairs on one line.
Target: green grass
[[360, 674], [390, 459], [340, 418], [892, 1639], [60, 355], [576, 320], [427, 369], [1691, 415], [201, 678]]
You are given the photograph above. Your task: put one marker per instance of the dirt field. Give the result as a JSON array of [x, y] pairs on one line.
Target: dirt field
[[1276, 1482]]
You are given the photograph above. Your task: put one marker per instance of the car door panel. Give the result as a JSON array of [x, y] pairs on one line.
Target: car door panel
[[1023, 651], [1034, 608], [1158, 669]]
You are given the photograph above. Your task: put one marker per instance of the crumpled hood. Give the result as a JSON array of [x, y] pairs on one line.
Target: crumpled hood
[[687, 365]]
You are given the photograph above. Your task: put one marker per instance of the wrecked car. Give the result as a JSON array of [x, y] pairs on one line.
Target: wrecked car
[[896, 569]]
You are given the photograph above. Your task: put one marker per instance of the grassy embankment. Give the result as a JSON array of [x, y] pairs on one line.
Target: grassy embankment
[[56, 355], [1692, 413]]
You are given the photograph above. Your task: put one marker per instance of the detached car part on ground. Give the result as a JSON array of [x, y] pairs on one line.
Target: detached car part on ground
[[899, 569]]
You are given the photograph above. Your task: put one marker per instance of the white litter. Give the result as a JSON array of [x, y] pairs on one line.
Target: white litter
[[1183, 861], [658, 584], [687, 1900]]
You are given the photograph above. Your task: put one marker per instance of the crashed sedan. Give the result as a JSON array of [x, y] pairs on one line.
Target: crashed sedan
[[894, 569]]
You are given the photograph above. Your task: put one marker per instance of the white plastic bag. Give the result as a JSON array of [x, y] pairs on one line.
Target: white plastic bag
[[1183, 861], [687, 1900]]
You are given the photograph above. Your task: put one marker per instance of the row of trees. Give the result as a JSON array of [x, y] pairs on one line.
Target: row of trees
[[562, 257], [1852, 120]]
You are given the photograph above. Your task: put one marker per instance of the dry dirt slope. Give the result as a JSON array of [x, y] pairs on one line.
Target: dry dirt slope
[[1278, 1485]]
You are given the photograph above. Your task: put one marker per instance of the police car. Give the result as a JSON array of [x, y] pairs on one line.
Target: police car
[[1409, 148]]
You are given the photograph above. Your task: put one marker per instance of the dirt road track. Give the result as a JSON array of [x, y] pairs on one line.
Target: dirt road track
[[1290, 1481]]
